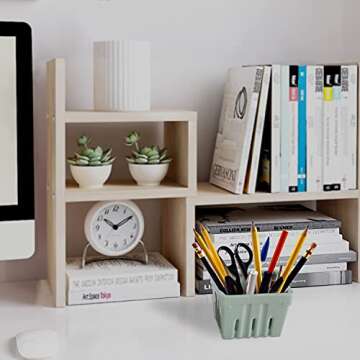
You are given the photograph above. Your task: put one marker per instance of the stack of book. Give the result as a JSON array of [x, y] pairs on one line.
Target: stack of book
[[288, 128], [327, 266], [120, 280]]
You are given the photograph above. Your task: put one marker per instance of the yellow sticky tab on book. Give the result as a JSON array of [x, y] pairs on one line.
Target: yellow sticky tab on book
[[328, 93]]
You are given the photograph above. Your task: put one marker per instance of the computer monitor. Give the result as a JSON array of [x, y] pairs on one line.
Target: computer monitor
[[17, 222]]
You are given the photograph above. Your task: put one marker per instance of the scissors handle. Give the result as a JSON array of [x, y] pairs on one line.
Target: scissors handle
[[232, 267], [244, 264]]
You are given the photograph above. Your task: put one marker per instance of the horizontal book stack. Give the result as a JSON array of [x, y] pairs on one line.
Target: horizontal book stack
[[120, 280], [329, 263], [288, 128]]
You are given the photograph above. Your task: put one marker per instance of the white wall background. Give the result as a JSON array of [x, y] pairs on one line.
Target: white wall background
[[193, 43]]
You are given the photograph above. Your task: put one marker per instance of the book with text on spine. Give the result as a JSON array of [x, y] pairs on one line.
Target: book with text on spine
[[302, 129], [119, 273], [314, 128], [236, 127], [254, 156], [348, 125]]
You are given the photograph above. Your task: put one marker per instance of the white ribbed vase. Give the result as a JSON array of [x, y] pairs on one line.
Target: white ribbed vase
[[122, 75]]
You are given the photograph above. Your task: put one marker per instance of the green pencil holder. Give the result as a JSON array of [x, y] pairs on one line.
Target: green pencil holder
[[244, 316]]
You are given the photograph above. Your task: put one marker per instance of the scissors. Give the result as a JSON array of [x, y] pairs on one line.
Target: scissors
[[237, 261]]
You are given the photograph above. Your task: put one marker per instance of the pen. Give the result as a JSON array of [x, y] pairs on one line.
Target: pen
[[251, 282], [298, 266], [265, 249], [293, 256], [264, 287], [256, 252], [200, 254]]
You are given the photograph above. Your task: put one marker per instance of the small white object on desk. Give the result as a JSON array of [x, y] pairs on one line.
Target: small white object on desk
[[37, 344]]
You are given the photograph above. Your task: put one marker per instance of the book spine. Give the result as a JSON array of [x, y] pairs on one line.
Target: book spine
[[348, 125], [284, 129], [249, 129], [327, 128], [293, 127], [323, 248], [302, 176], [114, 294], [275, 128], [318, 235], [250, 186], [314, 143], [203, 287], [322, 279], [203, 274], [116, 280], [301, 280], [348, 257], [336, 140], [276, 226]]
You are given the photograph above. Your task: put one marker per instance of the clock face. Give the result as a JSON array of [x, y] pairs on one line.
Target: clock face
[[114, 228]]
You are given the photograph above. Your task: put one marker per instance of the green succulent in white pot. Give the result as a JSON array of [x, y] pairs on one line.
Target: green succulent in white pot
[[90, 166], [148, 165]]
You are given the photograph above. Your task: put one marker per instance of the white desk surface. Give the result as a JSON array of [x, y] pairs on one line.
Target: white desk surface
[[323, 323]]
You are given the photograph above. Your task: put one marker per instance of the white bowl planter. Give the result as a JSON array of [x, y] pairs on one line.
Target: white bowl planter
[[148, 174], [90, 177]]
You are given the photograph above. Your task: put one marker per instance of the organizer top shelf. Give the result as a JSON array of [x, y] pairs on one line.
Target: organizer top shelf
[[85, 117], [209, 194], [123, 191]]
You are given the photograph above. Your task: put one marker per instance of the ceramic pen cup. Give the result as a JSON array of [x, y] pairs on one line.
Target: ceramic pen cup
[[256, 315]]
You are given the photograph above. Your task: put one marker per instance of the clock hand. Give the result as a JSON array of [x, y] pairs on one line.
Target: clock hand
[[122, 222], [109, 223]]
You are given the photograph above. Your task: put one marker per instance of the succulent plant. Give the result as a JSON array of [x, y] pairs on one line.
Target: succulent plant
[[88, 156], [145, 155]]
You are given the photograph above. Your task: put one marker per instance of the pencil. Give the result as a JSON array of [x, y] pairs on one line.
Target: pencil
[[200, 254], [298, 266], [213, 257], [294, 254], [256, 252]]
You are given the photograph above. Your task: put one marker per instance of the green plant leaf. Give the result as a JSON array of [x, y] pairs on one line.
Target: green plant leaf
[[140, 160]]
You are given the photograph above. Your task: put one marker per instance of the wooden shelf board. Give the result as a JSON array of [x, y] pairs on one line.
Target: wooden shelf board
[[124, 190], [132, 116], [212, 195]]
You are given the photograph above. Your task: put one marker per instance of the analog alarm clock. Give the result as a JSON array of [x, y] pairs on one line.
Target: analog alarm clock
[[114, 228]]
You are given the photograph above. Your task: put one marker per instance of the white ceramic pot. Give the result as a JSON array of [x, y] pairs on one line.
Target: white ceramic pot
[[90, 177], [148, 175]]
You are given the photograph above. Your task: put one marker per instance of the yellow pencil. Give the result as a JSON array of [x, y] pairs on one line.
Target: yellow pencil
[[293, 256], [257, 256], [212, 257]]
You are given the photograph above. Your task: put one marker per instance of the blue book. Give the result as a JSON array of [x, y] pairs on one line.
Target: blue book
[[302, 130]]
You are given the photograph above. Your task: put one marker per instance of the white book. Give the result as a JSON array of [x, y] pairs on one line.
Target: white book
[[336, 139], [275, 128], [203, 274], [124, 293], [314, 142], [309, 268], [236, 128], [119, 273], [348, 125], [284, 129], [322, 248], [314, 235], [293, 120], [328, 129], [252, 174]]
